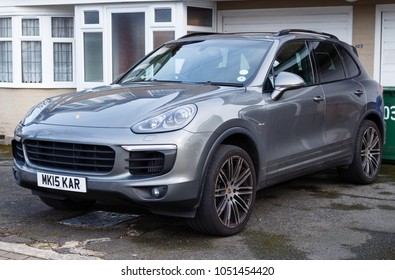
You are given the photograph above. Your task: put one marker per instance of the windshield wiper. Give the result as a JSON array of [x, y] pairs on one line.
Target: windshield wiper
[[225, 84], [165, 81]]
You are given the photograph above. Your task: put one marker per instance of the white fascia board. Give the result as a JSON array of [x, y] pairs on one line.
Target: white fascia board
[[37, 11], [30, 3]]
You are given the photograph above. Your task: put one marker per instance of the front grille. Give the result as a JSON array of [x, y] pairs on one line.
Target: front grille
[[69, 156], [146, 163], [17, 151]]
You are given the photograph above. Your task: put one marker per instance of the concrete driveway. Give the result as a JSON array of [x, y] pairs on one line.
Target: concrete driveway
[[313, 217]]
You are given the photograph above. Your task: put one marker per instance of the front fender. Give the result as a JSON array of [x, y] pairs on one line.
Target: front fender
[[239, 133]]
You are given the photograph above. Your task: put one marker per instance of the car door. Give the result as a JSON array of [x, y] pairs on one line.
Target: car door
[[345, 98], [295, 122]]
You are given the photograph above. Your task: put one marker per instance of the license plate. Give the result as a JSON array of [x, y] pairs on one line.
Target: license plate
[[61, 182]]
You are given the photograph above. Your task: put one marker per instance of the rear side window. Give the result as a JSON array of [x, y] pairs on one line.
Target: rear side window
[[329, 63], [350, 64]]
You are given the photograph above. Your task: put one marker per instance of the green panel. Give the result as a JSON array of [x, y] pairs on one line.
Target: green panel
[[389, 115]]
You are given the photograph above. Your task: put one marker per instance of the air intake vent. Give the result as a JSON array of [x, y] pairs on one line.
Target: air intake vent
[[17, 151], [69, 156], [146, 163]]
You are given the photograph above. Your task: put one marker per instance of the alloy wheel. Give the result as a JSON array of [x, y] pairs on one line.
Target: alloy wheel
[[234, 191], [371, 152]]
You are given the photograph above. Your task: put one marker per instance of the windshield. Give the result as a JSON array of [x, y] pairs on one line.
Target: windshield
[[220, 61]]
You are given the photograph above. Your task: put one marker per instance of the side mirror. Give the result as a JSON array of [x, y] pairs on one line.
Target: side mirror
[[286, 81]]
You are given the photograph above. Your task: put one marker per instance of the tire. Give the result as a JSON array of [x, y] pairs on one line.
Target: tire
[[366, 163], [67, 204], [228, 195]]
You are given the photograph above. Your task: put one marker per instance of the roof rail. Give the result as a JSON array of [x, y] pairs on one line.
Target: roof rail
[[197, 34], [287, 31]]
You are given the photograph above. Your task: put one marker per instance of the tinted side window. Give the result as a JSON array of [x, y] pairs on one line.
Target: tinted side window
[[329, 63], [350, 64], [295, 58]]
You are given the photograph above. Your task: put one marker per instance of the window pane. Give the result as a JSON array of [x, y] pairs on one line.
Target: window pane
[[91, 17], [6, 62], [62, 27], [161, 37], [330, 66], [163, 15], [295, 58], [128, 40], [5, 28], [63, 62], [30, 27], [200, 16], [351, 65], [31, 62], [93, 57]]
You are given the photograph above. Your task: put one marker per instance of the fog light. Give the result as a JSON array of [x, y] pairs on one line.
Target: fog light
[[155, 192], [159, 192]]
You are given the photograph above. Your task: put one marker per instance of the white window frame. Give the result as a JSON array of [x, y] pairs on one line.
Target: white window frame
[[45, 51], [105, 14], [62, 40], [79, 29], [163, 24], [148, 18], [98, 9], [9, 39], [193, 28], [45, 37]]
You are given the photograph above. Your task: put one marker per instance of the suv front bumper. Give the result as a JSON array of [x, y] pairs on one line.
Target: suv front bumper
[[174, 191]]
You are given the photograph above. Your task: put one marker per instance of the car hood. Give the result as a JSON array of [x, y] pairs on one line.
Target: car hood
[[121, 106]]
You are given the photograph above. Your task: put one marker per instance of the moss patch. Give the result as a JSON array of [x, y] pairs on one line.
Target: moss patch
[[387, 173], [305, 188], [348, 207], [380, 246], [318, 192], [271, 246], [5, 152], [327, 194], [385, 193], [386, 207]]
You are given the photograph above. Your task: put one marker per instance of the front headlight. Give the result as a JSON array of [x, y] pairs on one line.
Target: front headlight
[[168, 121], [35, 111]]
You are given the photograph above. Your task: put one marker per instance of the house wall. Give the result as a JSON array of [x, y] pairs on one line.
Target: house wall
[[17, 97], [364, 16], [364, 34], [14, 103]]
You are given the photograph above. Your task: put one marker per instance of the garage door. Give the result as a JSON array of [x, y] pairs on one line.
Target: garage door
[[388, 49], [334, 20]]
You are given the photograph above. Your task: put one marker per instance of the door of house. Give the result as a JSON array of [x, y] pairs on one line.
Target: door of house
[[128, 40]]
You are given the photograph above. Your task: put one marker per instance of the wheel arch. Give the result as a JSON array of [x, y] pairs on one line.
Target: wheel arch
[[374, 117], [238, 133]]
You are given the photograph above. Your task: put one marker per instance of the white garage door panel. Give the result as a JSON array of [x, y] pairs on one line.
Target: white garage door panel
[[388, 49], [336, 21], [307, 21], [389, 58]]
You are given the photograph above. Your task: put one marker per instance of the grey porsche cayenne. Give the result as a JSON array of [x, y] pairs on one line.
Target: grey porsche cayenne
[[199, 125]]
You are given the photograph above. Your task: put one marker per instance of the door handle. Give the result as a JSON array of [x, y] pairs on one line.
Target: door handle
[[318, 99], [358, 92]]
